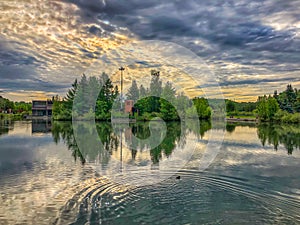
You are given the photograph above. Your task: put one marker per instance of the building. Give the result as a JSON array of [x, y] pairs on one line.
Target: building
[[42, 108], [129, 106]]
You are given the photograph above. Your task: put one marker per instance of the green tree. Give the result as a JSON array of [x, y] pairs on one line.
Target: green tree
[[71, 94], [273, 107], [287, 100], [230, 106], [106, 97], [267, 107], [202, 107], [166, 102], [155, 92], [183, 103], [133, 92]]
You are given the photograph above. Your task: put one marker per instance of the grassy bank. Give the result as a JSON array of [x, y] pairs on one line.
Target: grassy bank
[[16, 116], [285, 117]]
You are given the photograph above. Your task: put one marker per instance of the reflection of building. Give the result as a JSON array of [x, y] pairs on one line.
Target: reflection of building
[[129, 106], [41, 126], [42, 108]]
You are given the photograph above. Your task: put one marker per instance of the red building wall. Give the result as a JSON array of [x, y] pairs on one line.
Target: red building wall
[[128, 106]]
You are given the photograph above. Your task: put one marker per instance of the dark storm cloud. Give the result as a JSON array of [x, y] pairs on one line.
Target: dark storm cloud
[[19, 71], [234, 33], [256, 37], [24, 77], [10, 56], [31, 84], [228, 24], [13, 72], [256, 81]]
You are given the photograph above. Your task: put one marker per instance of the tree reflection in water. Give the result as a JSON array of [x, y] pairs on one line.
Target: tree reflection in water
[[110, 138], [5, 125], [275, 134]]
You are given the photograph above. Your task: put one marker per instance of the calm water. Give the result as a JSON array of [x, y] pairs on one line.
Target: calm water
[[47, 176]]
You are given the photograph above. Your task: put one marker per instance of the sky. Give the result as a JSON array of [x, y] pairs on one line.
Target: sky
[[251, 46]]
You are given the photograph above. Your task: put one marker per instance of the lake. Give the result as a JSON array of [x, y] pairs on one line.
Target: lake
[[157, 173]]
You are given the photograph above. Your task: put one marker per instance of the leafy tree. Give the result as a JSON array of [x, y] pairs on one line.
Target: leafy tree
[[6, 104], [267, 107], [273, 107], [202, 107], [22, 107], [230, 106]]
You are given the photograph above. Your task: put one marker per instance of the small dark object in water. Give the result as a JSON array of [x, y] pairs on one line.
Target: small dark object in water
[[178, 177]]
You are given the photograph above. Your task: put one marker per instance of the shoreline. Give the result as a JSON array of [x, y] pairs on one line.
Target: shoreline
[[249, 120]]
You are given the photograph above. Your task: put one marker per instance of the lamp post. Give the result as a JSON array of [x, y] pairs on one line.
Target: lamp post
[[121, 96]]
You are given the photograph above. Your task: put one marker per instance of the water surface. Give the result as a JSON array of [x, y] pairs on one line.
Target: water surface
[[46, 178]]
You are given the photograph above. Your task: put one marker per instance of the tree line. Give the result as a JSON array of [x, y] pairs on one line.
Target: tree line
[[11, 109], [162, 100], [80, 99], [281, 107], [157, 100]]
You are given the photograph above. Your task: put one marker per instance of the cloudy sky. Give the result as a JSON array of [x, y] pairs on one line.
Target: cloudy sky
[[251, 46]]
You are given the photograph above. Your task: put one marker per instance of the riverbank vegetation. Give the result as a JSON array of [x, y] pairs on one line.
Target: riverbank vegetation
[[281, 107], [162, 100], [10, 110], [158, 100]]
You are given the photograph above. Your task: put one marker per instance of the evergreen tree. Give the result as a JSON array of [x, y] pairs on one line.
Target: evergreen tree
[[133, 92], [155, 92], [106, 97], [182, 104], [288, 99], [167, 110], [71, 93], [142, 91], [81, 105]]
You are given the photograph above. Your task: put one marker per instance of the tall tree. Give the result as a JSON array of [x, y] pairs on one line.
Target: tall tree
[[202, 107], [142, 91], [167, 100], [155, 93], [230, 106], [267, 107], [133, 92]]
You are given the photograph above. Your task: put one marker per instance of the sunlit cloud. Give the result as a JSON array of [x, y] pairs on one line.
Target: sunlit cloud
[[43, 43], [29, 95]]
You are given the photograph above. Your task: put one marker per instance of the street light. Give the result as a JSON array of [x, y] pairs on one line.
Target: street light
[[121, 69], [121, 96]]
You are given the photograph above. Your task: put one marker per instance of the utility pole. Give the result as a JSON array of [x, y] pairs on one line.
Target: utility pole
[[121, 96]]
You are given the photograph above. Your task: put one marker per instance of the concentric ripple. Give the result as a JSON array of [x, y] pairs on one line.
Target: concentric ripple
[[195, 198]]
